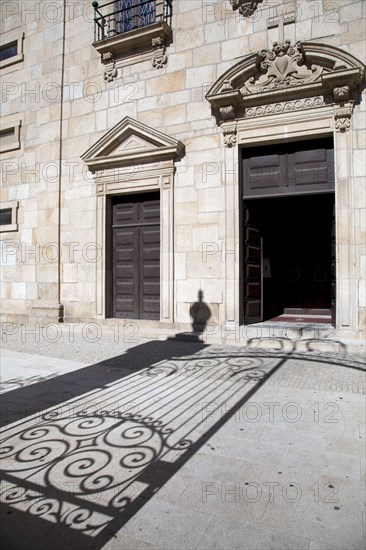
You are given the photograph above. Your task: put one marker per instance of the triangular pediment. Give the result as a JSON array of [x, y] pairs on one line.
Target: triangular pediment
[[129, 142], [132, 143]]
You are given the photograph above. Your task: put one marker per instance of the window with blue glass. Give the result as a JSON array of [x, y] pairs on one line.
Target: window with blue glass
[[133, 14], [121, 16], [11, 49], [125, 29], [8, 50]]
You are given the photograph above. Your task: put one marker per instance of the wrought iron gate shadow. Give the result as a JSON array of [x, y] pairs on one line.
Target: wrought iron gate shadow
[[84, 466]]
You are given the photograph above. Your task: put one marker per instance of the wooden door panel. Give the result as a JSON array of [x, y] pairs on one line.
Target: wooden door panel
[[252, 271], [125, 275], [307, 174], [263, 174], [253, 312], [312, 169], [150, 270], [125, 214], [291, 168], [136, 257], [150, 211], [333, 268]]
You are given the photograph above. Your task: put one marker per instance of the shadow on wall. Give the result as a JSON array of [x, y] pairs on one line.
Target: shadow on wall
[[200, 314]]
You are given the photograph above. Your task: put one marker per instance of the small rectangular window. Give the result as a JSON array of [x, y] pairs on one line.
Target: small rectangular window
[[9, 216], [7, 136], [10, 137], [11, 49], [5, 216], [8, 50]]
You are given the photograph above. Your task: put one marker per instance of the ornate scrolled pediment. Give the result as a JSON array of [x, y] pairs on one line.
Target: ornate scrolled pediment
[[286, 73]]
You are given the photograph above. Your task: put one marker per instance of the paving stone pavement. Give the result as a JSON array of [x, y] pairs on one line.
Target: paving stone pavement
[[171, 444]]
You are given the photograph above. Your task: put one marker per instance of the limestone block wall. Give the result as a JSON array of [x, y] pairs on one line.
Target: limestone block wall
[[30, 94], [65, 105]]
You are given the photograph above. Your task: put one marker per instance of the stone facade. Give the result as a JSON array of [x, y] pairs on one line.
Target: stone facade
[[183, 100]]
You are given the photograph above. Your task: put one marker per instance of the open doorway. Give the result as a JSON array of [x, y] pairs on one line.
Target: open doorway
[[288, 230], [291, 240]]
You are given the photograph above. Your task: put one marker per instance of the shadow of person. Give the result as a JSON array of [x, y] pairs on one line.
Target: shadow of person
[[200, 314]]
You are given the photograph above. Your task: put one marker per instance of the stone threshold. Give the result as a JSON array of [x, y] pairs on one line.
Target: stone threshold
[[299, 336]]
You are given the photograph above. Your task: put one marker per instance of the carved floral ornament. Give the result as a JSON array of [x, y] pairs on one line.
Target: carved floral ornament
[[282, 66], [110, 71], [287, 78], [246, 7], [342, 118]]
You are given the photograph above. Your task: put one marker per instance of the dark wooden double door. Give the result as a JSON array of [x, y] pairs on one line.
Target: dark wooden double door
[[136, 256], [289, 237]]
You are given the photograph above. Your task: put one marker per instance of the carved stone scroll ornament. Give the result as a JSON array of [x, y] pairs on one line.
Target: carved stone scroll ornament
[[281, 67], [110, 71], [342, 118], [229, 132], [229, 138], [159, 57], [246, 7]]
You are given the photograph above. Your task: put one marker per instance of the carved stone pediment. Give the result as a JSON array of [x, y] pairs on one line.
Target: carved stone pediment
[[129, 143], [287, 77], [283, 66]]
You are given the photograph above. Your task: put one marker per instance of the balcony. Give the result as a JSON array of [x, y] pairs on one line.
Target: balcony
[[127, 31], [121, 16]]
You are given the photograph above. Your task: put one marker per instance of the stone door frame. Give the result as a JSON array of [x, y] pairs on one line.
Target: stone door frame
[[285, 94], [318, 124], [158, 178], [134, 158]]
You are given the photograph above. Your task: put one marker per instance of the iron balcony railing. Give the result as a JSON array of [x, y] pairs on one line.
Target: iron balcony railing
[[121, 16]]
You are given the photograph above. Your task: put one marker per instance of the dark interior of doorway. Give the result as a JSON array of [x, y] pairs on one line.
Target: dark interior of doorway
[[296, 233]]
